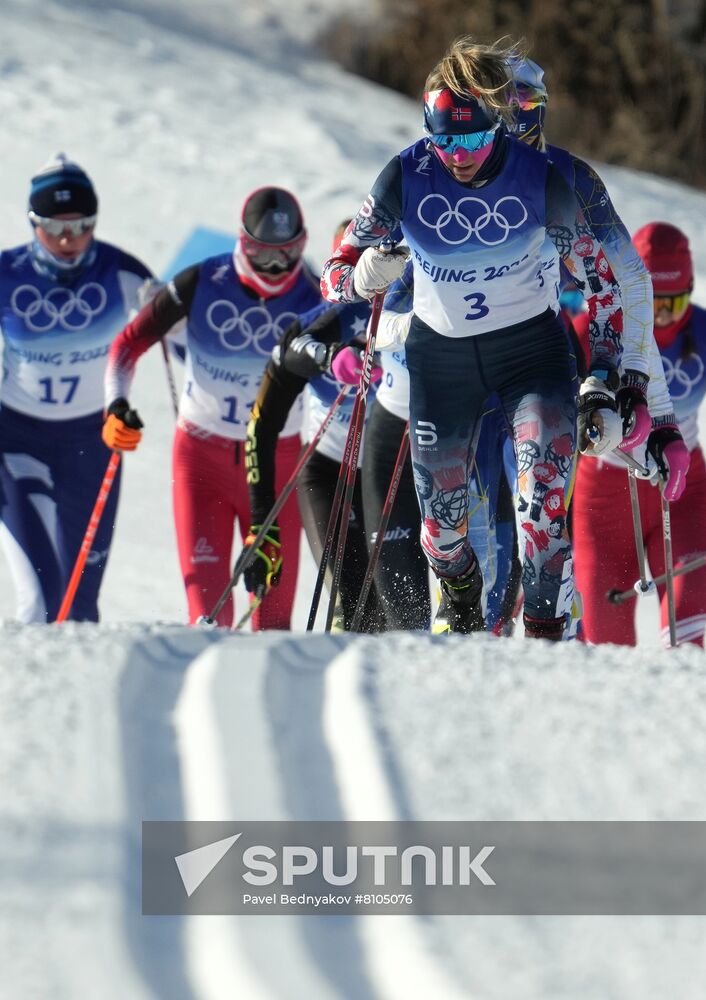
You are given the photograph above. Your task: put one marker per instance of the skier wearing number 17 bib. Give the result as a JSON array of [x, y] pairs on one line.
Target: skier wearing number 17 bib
[[474, 205], [63, 298]]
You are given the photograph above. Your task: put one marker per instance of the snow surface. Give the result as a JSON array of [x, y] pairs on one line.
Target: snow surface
[[178, 110]]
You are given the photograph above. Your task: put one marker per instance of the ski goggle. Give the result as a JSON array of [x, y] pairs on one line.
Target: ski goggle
[[529, 98], [470, 141], [271, 257], [675, 304], [57, 227]]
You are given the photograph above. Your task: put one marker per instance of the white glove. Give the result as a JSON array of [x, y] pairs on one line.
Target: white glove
[[600, 426], [393, 330], [376, 269], [148, 290]]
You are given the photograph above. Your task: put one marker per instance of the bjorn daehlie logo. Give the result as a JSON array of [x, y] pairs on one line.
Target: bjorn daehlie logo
[[426, 433]]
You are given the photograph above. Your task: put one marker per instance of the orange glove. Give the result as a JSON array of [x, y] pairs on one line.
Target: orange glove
[[122, 427]]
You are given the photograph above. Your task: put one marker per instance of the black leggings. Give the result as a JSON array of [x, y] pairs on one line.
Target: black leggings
[[402, 572], [315, 493]]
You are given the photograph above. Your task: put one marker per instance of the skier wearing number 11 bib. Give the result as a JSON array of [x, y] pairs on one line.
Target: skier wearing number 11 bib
[[237, 306], [475, 205]]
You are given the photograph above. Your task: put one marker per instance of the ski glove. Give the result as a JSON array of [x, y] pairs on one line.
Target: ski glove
[[393, 330], [148, 290], [632, 406], [347, 366], [122, 428], [378, 268], [666, 447], [265, 569], [305, 356], [600, 428]]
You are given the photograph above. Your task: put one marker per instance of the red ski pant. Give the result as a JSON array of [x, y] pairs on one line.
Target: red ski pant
[[210, 493], [605, 555]]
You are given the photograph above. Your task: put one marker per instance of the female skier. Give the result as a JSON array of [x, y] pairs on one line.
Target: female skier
[[474, 205], [236, 308], [604, 540], [63, 298]]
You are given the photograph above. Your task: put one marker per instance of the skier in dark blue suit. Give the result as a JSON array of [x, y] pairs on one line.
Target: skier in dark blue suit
[[63, 298], [474, 206]]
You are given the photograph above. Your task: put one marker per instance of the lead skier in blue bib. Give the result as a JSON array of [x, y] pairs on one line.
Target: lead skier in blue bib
[[63, 298], [475, 205]]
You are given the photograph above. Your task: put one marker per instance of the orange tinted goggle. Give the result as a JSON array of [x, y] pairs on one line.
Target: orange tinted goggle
[[528, 98], [672, 303]]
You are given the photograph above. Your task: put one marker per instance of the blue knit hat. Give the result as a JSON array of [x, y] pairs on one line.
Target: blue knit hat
[[62, 187]]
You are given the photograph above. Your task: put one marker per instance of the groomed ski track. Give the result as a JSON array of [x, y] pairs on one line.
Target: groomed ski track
[[103, 727]]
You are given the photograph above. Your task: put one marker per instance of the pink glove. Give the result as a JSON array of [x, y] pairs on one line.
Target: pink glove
[[666, 446], [347, 366], [632, 407]]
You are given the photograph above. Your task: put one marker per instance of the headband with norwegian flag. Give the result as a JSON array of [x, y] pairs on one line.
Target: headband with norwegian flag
[[446, 113]]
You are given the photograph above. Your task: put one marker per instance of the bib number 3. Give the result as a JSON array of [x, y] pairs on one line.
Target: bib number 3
[[476, 301]]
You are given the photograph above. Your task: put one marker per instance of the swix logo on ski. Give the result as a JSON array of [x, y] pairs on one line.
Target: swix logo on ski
[[203, 552], [397, 534], [426, 435]]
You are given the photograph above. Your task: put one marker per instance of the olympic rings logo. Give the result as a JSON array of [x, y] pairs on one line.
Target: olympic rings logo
[[70, 310], [679, 381], [254, 327], [471, 217]]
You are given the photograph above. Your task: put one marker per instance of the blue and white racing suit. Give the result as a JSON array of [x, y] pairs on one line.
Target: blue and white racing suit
[[57, 330]]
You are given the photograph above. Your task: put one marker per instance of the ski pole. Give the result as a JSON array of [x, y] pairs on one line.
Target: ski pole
[[645, 586], [668, 566], [170, 377], [361, 400], [616, 596], [94, 521], [258, 598], [332, 522], [382, 528], [336, 505], [247, 555], [633, 463]]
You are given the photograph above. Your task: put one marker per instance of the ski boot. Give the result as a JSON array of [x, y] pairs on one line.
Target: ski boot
[[551, 629], [460, 603]]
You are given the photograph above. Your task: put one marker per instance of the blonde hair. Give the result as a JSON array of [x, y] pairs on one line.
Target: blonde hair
[[482, 70]]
